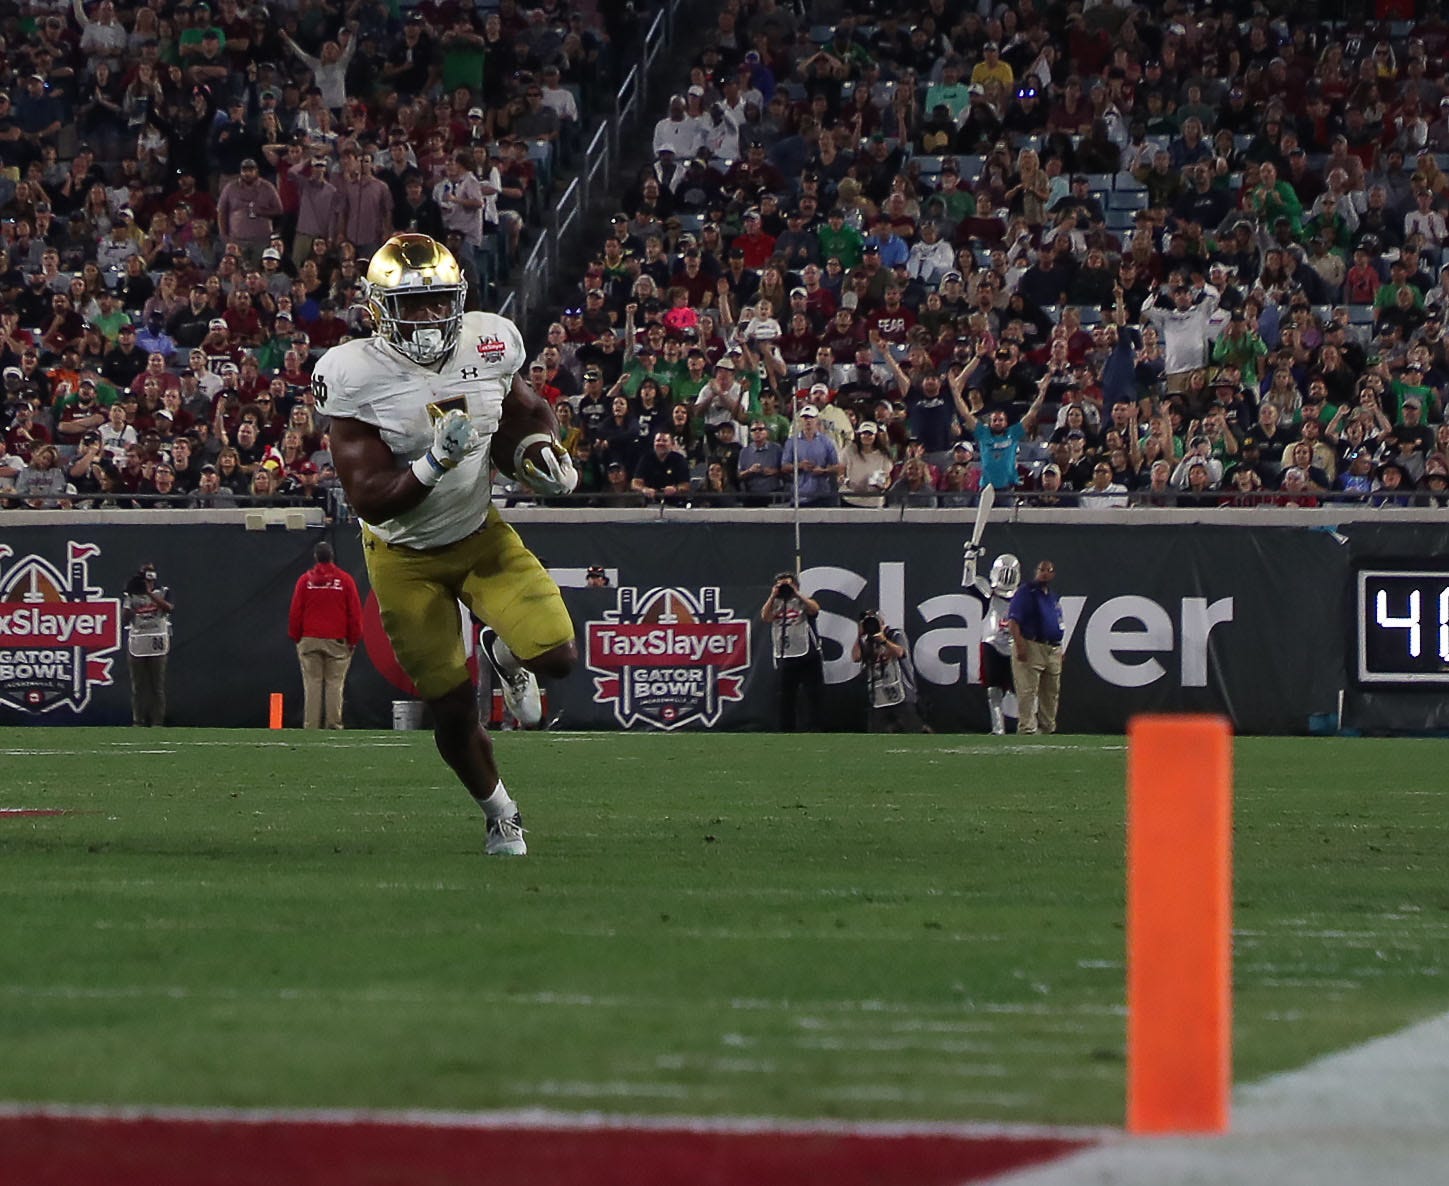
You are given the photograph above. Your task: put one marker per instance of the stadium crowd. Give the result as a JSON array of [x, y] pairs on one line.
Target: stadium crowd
[[1092, 255], [190, 194]]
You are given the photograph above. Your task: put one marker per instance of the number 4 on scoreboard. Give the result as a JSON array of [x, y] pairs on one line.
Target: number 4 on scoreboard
[[1403, 627]]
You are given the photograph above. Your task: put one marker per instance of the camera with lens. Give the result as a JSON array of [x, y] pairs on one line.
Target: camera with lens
[[785, 586], [869, 624]]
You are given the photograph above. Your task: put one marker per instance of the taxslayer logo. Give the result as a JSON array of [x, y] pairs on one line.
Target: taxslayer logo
[[668, 658], [492, 348], [57, 632]]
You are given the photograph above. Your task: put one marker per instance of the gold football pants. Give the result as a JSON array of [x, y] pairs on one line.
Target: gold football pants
[[491, 572]]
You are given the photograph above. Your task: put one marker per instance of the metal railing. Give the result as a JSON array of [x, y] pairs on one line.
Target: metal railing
[[599, 174]]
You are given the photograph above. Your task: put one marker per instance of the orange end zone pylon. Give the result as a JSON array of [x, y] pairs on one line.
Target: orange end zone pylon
[[1179, 924], [274, 720]]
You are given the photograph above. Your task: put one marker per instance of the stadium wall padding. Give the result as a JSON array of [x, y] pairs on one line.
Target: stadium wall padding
[[1249, 622]]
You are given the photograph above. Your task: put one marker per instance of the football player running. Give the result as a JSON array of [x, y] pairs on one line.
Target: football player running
[[418, 412]]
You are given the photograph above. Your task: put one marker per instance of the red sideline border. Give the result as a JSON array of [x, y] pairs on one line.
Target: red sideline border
[[57, 1146]]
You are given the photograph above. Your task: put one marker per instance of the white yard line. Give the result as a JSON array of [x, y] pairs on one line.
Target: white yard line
[[879, 1010], [1378, 1112], [542, 1118]]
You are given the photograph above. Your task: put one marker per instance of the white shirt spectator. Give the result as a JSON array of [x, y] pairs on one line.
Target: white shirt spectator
[[467, 220], [562, 102], [114, 441], [1185, 333], [330, 77], [683, 135], [104, 37], [928, 262], [1430, 224]]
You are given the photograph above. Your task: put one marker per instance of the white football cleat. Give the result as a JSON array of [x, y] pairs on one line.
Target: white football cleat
[[505, 837], [519, 685]]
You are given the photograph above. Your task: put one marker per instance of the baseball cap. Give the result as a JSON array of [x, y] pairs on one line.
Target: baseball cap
[[216, 323], [271, 253], [794, 292], [820, 388], [1052, 468], [868, 426], [249, 163], [810, 410], [724, 364], [476, 113]]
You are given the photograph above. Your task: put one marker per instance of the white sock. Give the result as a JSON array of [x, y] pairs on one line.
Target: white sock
[[498, 805], [505, 658]]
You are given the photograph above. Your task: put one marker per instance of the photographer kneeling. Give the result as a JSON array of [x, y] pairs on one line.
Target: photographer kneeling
[[890, 679], [795, 647]]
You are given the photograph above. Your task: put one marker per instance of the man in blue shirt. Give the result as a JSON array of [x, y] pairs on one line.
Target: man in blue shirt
[[813, 453], [893, 249], [997, 442], [1034, 618]]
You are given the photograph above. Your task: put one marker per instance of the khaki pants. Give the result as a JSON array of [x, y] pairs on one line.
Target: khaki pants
[[324, 670], [1038, 687]]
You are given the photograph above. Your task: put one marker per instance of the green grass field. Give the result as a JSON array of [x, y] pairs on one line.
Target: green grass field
[[864, 927]]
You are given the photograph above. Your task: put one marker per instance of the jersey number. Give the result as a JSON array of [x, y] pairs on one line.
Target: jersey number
[[319, 390], [437, 410]]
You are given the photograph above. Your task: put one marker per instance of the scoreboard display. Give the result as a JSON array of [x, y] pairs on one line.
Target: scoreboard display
[[1402, 625]]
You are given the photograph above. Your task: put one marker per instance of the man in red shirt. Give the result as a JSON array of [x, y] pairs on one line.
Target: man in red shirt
[[326, 624], [756, 243]]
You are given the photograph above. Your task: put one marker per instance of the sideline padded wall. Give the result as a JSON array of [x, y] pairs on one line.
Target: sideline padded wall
[[1249, 621]]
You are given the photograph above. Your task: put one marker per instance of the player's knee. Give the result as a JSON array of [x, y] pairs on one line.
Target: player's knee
[[555, 663], [455, 714]]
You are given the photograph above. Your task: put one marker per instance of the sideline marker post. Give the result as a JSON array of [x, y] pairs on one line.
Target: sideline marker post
[[1179, 924], [274, 720]]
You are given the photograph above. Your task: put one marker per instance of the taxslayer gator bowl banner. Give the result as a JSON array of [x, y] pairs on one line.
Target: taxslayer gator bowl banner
[[59, 633], [1252, 622], [668, 658]]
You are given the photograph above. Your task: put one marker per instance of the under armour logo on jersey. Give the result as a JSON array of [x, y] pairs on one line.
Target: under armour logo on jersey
[[471, 372]]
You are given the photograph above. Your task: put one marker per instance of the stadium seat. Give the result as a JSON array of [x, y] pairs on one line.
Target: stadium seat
[[1126, 181], [1090, 315], [820, 34], [1360, 314], [1241, 142], [1120, 221], [928, 166], [970, 167], [1131, 199], [1099, 181]]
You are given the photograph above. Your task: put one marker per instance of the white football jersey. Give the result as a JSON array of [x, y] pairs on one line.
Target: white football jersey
[[368, 380]]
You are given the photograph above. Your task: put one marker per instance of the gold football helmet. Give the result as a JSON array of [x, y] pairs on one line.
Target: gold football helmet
[[414, 291]]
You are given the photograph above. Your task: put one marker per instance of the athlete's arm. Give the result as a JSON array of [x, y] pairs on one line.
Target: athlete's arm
[[527, 405], [377, 489], [526, 445]]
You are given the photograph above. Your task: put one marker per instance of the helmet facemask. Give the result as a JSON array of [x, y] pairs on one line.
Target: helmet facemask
[[1006, 574], [424, 339]]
